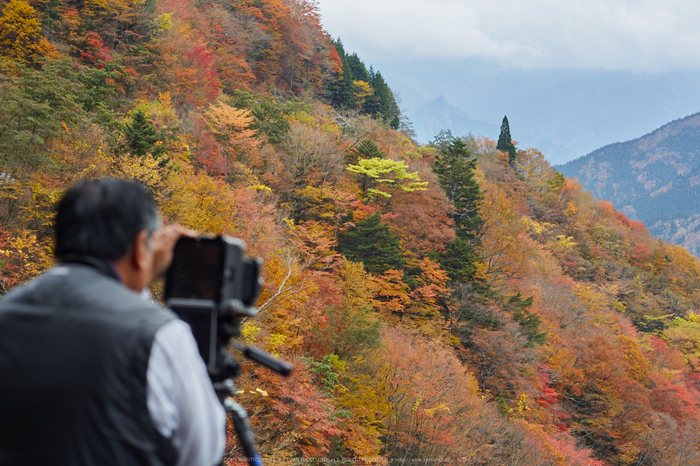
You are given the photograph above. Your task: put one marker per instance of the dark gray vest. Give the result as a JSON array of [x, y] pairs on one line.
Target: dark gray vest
[[74, 349]]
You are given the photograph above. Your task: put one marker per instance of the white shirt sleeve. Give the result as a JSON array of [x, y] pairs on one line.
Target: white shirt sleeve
[[181, 400]]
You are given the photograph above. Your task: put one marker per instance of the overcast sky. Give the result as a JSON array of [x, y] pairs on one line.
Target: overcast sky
[[640, 35]]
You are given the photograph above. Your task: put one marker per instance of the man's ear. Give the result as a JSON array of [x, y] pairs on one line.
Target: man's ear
[[141, 252]]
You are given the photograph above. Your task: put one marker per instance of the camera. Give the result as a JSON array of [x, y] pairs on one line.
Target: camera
[[212, 286]]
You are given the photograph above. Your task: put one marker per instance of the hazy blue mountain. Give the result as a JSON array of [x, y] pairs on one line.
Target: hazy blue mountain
[[571, 112], [439, 114], [654, 179]]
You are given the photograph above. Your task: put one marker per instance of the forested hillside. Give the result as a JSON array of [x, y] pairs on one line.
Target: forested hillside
[[654, 179], [438, 303]]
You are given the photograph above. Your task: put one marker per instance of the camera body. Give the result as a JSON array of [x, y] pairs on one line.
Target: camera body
[[212, 286]]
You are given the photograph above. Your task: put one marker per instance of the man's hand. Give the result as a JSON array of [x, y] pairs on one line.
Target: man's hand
[[163, 244]]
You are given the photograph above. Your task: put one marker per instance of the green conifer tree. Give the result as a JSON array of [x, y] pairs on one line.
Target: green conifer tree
[[454, 167], [340, 87], [142, 137], [383, 104], [505, 142], [529, 323], [372, 243], [344, 89], [459, 260], [359, 70], [365, 149]]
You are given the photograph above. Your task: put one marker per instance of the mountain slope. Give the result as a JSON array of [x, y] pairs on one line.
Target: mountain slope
[[654, 179], [484, 310]]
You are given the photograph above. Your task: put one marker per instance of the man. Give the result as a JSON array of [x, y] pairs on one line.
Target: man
[[91, 371]]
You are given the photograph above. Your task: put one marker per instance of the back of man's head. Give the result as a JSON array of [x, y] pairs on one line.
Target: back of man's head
[[102, 218]]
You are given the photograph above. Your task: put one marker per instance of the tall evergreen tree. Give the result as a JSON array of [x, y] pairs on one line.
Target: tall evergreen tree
[[529, 322], [142, 137], [505, 142], [454, 167], [359, 70], [381, 104], [365, 149], [459, 260], [389, 107], [344, 87], [340, 89], [372, 243], [442, 139]]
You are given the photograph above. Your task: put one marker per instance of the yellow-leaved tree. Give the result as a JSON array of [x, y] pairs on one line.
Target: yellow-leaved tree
[[21, 38], [388, 174]]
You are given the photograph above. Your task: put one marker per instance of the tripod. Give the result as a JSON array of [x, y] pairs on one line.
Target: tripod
[[213, 327], [226, 389]]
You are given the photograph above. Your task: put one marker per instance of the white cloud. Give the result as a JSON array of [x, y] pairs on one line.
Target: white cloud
[[649, 35]]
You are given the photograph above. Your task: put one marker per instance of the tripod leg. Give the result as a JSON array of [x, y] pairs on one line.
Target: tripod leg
[[242, 426]]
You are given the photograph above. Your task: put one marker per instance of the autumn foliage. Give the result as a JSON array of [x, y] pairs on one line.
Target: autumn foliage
[[443, 302]]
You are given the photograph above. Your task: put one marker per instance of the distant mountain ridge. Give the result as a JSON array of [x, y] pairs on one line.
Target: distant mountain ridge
[[566, 113], [654, 179], [439, 114]]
